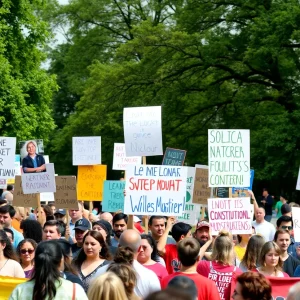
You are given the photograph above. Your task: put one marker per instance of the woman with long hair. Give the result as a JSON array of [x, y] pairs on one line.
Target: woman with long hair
[[270, 261], [251, 257], [93, 255], [46, 282], [9, 263], [26, 250], [44, 213], [32, 229], [148, 256], [241, 246], [221, 268]]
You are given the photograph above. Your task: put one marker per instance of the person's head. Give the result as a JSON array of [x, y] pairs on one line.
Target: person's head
[[180, 231], [157, 225], [188, 252], [31, 147], [51, 230], [294, 204], [44, 213], [52, 206], [10, 188], [7, 212], [119, 224], [252, 285], [202, 232], [222, 250], [107, 287], [283, 239], [76, 214], [60, 214], [104, 228], [294, 292], [6, 247], [170, 293], [130, 238], [32, 229], [82, 226], [148, 249], [265, 192], [10, 234], [26, 250], [282, 198], [106, 216], [183, 283], [48, 262], [20, 213], [270, 256], [286, 210], [285, 223], [252, 254], [260, 215]]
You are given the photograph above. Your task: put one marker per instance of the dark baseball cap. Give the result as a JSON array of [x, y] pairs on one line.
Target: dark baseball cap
[[82, 224], [105, 225], [61, 212]]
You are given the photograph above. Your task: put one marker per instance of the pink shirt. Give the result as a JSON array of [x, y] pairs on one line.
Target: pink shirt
[[158, 269]]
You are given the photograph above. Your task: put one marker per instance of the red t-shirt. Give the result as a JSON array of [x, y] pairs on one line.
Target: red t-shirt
[[206, 288], [220, 274], [285, 275], [171, 259], [158, 269]]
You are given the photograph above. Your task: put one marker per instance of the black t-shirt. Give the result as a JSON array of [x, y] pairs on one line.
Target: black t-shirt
[[75, 250], [290, 265], [73, 278], [268, 205]]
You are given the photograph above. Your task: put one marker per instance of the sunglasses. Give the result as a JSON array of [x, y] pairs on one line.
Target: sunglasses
[[287, 227], [29, 251]]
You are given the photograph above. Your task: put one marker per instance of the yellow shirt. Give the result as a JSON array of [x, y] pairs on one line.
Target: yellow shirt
[[240, 252]]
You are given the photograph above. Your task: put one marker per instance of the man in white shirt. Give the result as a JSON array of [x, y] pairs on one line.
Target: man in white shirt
[[263, 227], [147, 280]]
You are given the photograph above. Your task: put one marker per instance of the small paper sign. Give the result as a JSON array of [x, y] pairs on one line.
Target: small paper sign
[[66, 195], [121, 161], [174, 157], [113, 199]]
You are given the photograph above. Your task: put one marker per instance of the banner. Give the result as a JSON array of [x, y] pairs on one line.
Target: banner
[[21, 199], [155, 190], [7, 157], [229, 158], [90, 181], [120, 160], [113, 199], [8, 284], [232, 214], [201, 189], [86, 150], [142, 131], [296, 223], [174, 157], [66, 195]]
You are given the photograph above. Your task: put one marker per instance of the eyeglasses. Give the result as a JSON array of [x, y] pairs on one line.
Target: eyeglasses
[[287, 227], [29, 251]]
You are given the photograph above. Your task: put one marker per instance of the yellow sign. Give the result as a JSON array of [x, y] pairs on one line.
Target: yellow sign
[[7, 285], [90, 182]]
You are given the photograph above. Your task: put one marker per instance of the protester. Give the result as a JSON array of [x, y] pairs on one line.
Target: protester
[[107, 287], [188, 253], [202, 232], [286, 210], [294, 292], [17, 218], [119, 225], [270, 261], [82, 226], [267, 202], [240, 248], [282, 239], [147, 281], [10, 234], [7, 212], [8, 193], [180, 231], [75, 215], [184, 283], [263, 227], [170, 293], [26, 250], [149, 258], [92, 257], [47, 282], [278, 206], [32, 229], [51, 230], [221, 268], [44, 213], [252, 286], [105, 229], [33, 162], [107, 217], [53, 208], [60, 215], [157, 226], [252, 254]]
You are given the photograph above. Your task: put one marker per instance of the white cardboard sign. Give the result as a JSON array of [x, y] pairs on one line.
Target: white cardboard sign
[[86, 150], [7, 157], [298, 181], [121, 160], [296, 223]]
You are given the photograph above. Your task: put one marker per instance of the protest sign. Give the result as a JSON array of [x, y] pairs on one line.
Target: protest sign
[[229, 158], [243, 192], [191, 213], [298, 181], [232, 214], [33, 183], [221, 192], [47, 197], [65, 196], [113, 198], [296, 223], [174, 157], [155, 190], [7, 157], [21, 199], [142, 131], [90, 181], [190, 184], [201, 189], [86, 150], [121, 160]]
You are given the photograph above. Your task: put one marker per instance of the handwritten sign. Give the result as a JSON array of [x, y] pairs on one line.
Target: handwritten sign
[[229, 158], [191, 214], [90, 182], [296, 223], [174, 157], [86, 150], [66, 196], [33, 183], [113, 199], [201, 189], [232, 214], [155, 190], [142, 131], [7, 157], [21, 199], [222, 192], [121, 160]]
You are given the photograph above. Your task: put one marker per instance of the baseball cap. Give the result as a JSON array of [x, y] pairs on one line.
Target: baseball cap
[[105, 225], [82, 224], [61, 212], [136, 219], [202, 224]]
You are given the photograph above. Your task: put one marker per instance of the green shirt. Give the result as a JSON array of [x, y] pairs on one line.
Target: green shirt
[[278, 207]]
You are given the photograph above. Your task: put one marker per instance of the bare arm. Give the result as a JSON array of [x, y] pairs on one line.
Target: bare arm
[[161, 245]]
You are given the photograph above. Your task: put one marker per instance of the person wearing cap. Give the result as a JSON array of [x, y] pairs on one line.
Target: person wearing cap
[[137, 224], [82, 226], [278, 206], [60, 215], [202, 232], [286, 210]]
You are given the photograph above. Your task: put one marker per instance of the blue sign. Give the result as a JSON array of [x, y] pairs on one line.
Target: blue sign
[[242, 192], [174, 157], [113, 195]]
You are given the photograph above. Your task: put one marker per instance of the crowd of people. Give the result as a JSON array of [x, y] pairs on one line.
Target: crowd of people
[[77, 254]]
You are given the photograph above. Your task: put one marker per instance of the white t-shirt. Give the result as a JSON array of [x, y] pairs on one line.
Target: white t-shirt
[[147, 280], [266, 229], [12, 268]]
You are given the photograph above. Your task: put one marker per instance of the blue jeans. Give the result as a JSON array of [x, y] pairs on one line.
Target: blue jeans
[[268, 218]]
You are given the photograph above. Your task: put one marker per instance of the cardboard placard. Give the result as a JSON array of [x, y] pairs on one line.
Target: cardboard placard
[[201, 189], [66, 195], [90, 181], [86, 150], [21, 199], [229, 158], [142, 131], [174, 157], [113, 199], [155, 190], [120, 160], [7, 157]]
